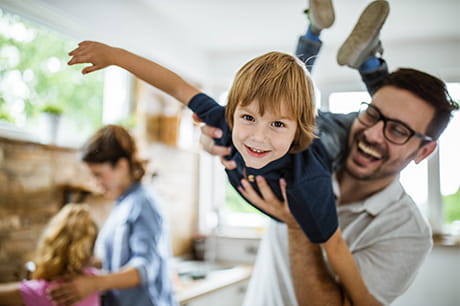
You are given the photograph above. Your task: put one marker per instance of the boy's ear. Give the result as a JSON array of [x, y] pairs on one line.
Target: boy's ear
[[425, 151]]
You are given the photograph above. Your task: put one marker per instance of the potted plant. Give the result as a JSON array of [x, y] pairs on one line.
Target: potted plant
[[50, 118]]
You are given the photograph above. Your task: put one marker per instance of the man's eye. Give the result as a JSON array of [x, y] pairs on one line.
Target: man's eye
[[247, 117], [372, 115], [398, 130], [278, 124]]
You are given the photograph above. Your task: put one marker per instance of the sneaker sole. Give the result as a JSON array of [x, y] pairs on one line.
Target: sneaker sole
[[322, 13], [364, 35]]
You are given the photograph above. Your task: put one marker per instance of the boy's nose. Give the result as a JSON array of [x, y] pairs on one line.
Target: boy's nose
[[259, 133]]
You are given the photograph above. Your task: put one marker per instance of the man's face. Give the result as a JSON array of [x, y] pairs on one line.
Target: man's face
[[372, 156], [261, 139]]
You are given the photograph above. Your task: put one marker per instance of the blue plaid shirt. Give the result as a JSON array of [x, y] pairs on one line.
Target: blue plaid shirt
[[134, 235]]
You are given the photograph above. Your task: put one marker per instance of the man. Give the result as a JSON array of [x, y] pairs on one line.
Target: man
[[385, 231]]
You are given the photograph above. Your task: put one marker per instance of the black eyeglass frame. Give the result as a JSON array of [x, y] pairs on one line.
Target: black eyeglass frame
[[363, 108]]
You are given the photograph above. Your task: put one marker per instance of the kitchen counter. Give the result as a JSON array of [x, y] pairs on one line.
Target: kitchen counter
[[188, 289]]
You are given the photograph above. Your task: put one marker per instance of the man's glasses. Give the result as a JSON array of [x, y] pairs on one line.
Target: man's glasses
[[394, 131]]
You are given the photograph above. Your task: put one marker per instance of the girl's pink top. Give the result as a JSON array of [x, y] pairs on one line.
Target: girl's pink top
[[33, 292]]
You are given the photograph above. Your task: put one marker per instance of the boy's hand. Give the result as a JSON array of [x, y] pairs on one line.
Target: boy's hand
[[208, 133], [269, 202], [95, 53]]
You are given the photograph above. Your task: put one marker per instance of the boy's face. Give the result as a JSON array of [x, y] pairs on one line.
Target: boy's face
[[372, 156], [262, 139]]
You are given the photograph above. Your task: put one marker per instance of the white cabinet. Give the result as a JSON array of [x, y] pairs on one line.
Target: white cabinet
[[232, 295]]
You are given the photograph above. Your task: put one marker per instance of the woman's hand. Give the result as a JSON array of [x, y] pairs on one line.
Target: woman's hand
[[69, 291], [268, 201], [95, 53]]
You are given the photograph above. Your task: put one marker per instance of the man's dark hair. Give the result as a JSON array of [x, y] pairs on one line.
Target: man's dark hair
[[431, 90]]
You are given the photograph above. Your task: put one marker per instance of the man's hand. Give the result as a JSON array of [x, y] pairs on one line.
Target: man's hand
[[69, 291], [206, 140], [269, 202]]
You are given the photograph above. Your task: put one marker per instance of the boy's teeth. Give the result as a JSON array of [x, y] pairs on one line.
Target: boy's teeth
[[369, 150], [256, 150]]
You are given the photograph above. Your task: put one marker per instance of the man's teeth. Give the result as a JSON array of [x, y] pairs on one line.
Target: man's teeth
[[369, 150]]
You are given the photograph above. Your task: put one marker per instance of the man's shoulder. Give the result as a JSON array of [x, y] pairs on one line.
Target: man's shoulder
[[403, 214]]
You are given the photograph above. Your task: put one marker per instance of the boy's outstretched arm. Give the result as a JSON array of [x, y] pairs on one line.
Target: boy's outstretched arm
[[101, 56]]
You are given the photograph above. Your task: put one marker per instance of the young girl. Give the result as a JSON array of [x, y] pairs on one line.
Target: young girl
[[269, 122], [64, 249]]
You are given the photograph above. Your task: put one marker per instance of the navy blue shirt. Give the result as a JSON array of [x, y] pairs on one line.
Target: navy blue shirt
[[307, 174]]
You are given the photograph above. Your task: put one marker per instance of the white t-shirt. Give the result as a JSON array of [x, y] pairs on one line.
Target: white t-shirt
[[387, 235]]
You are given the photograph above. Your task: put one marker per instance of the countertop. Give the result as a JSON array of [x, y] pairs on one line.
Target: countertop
[[188, 289]]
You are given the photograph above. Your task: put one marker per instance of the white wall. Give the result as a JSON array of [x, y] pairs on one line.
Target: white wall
[[438, 281]]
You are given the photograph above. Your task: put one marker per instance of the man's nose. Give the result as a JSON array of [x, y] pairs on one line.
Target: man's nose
[[375, 133]]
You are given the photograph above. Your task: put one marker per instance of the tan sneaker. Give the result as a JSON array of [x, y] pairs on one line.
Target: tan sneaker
[[363, 41], [321, 13]]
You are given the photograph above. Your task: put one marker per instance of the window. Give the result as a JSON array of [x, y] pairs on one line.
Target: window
[[449, 152], [34, 75]]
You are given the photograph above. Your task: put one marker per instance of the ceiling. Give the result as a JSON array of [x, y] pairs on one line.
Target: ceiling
[[234, 25], [209, 39]]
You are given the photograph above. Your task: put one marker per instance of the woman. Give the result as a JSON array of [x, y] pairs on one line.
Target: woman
[[64, 249], [133, 240]]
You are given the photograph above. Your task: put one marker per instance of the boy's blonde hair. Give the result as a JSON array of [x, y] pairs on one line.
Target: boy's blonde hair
[[67, 243], [272, 79]]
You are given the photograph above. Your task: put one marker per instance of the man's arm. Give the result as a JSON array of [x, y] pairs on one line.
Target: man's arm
[[101, 56], [312, 282]]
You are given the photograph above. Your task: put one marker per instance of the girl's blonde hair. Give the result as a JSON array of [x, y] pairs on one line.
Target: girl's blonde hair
[[67, 243], [272, 79]]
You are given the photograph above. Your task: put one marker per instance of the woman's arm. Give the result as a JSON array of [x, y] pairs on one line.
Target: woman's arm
[[71, 290], [101, 56], [10, 295]]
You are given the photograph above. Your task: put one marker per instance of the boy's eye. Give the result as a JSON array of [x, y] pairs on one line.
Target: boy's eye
[[247, 117], [278, 124]]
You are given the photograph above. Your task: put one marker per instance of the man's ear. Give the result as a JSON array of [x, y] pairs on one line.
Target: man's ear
[[425, 151]]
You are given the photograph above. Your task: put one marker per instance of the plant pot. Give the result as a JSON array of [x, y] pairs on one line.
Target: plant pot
[[49, 123]]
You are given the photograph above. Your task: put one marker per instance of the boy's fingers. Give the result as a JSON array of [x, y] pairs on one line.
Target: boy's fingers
[[89, 69]]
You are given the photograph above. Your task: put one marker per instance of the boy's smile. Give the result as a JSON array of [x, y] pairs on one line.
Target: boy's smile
[[262, 139]]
